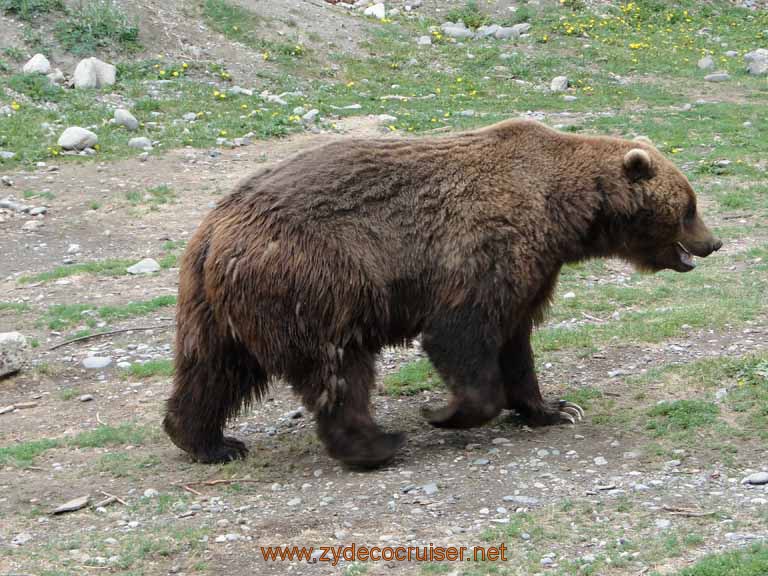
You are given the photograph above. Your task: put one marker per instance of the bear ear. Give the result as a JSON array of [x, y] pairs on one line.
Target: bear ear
[[638, 165], [643, 140]]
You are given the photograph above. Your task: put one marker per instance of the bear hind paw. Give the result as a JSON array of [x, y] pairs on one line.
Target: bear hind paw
[[227, 450]]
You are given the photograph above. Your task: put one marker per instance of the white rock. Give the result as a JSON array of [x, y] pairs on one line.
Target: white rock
[[97, 362], [31, 225], [145, 266], [424, 41], [600, 461], [706, 63], [38, 64], [76, 138], [141, 142], [124, 118], [190, 117], [13, 352], [310, 116], [6, 155], [457, 31], [559, 84], [378, 10], [522, 28], [21, 539], [757, 478], [386, 118], [57, 76], [73, 249], [757, 61], [93, 73], [294, 502], [717, 77], [663, 524], [151, 493], [569, 295]]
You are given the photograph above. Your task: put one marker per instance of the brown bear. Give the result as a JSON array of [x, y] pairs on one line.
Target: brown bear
[[310, 267]]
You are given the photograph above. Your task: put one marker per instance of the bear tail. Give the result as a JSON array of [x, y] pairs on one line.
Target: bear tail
[[215, 374]]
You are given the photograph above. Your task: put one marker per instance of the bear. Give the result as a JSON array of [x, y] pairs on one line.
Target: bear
[[308, 268]]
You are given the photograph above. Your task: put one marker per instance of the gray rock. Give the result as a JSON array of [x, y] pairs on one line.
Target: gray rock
[[189, 117], [310, 116], [275, 99], [757, 61], [294, 502], [6, 155], [151, 493], [706, 63], [757, 479], [13, 352], [97, 362], [38, 210], [522, 28], [38, 64], [141, 142], [522, 500], [5, 179], [600, 461], [145, 266], [559, 84], [299, 111], [93, 73], [56, 77], [481, 462], [467, 113], [456, 30], [378, 10], [663, 524], [717, 77], [486, 31], [503, 33], [124, 118], [86, 398], [73, 505], [430, 489], [32, 225], [424, 41], [76, 138], [21, 539]]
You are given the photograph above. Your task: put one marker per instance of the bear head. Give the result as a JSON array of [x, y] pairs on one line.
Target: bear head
[[656, 224]]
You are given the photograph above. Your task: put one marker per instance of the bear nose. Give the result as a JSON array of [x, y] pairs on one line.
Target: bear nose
[[717, 244]]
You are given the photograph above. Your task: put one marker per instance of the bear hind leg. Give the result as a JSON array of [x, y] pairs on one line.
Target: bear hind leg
[[210, 387], [338, 392]]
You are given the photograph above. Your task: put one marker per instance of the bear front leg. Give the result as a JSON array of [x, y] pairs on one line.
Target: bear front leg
[[522, 386], [465, 356], [338, 391]]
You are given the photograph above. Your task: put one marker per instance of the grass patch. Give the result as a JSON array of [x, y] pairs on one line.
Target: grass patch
[[751, 561], [18, 307], [23, 454], [668, 417], [36, 87], [27, 9], [110, 436], [97, 24], [583, 396], [61, 316], [154, 197], [470, 14], [151, 369], [111, 267], [124, 465], [412, 379]]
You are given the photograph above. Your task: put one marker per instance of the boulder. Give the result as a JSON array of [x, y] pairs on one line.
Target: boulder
[[93, 73], [76, 138]]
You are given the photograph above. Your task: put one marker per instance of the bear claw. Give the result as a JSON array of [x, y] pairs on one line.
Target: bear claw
[[227, 450], [572, 409]]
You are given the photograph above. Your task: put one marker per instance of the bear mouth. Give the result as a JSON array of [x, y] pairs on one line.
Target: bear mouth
[[685, 262]]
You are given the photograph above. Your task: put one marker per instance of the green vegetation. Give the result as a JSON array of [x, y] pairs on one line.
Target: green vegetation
[[681, 415], [470, 14], [151, 369], [95, 24], [110, 267], [18, 307], [751, 561], [154, 197], [27, 9], [24, 453], [411, 379], [61, 316]]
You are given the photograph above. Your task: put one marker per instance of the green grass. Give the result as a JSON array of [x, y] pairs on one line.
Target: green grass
[[154, 197], [125, 465], [679, 415], [27, 9], [18, 307], [97, 24], [109, 267], [36, 87], [61, 316], [151, 369], [242, 25], [411, 379], [751, 561], [110, 436], [470, 14], [24, 454]]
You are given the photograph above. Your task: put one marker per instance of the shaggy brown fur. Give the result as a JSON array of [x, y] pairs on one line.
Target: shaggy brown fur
[[309, 268]]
